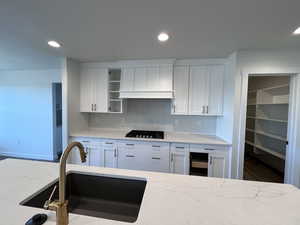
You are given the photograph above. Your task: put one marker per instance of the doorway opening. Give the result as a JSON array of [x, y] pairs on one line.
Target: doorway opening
[[57, 120], [266, 131]]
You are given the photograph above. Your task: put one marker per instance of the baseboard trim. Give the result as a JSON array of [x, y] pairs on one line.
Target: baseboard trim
[[27, 156]]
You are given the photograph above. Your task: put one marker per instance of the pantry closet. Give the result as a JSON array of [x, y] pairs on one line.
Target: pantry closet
[[266, 128]]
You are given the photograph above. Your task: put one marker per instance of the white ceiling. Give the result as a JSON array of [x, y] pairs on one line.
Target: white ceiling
[[93, 30]]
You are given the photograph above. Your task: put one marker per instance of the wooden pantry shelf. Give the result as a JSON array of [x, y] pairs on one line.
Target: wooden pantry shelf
[[270, 151], [267, 134], [268, 119]]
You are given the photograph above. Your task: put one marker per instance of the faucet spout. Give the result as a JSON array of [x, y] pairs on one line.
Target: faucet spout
[[62, 167], [60, 206]]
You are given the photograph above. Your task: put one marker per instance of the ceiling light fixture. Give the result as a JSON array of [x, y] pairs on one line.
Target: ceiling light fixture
[[297, 31], [163, 37], [54, 44]]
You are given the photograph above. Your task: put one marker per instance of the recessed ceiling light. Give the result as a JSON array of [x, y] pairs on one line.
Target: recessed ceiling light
[[54, 44], [163, 37], [297, 31]]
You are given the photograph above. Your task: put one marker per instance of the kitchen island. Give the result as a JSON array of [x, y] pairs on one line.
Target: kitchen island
[[169, 199]]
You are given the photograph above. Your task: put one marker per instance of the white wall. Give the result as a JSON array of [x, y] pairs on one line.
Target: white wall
[[225, 123], [153, 115], [26, 113], [73, 120], [267, 61]]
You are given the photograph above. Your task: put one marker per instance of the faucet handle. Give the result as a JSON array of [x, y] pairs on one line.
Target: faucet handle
[[48, 202]]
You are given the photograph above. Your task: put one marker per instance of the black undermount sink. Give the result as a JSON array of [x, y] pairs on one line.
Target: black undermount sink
[[114, 198]]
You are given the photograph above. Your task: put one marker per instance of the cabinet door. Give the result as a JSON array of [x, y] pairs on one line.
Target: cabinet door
[[198, 90], [127, 79], [181, 89], [216, 93], [100, 90], [109, 157], [217, 165], [179, 159], [95, 155], [86, 90]]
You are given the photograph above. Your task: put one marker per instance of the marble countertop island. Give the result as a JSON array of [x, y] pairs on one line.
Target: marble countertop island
[[168, 200], [174, 137]]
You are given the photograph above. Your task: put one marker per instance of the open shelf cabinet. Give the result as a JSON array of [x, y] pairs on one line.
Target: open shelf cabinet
[[115, 103], [267, 120]]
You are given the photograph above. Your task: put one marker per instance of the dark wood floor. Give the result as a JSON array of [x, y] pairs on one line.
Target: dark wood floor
[[255, 170]]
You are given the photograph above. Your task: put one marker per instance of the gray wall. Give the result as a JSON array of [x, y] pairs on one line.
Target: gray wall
[[26, 123]]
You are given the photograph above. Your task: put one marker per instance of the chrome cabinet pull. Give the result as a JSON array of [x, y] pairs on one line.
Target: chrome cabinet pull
[[95, 107], [203, 109], [179, 147], [210, 160], [172, 157], [130, 144], [155, 146], [92, 107], [115, 153], [108, 143], [157, 158], [207, 109], [209, 149], [130, 156]]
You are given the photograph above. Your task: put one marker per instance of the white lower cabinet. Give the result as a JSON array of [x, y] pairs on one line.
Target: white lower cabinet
[[179, 161], [128, 157], [157, 157], [144, 156], [217, 165], [109, 154], [152, 156]]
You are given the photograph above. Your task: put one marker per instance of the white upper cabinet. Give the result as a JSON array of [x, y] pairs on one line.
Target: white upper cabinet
[[94, 90], [86, 85], [181, 90], [147, 81], [198, 90]]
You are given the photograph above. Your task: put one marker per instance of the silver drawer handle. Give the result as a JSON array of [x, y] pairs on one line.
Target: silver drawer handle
[[179, 147], [157, 158], [130, 144], [108, 143], [130, 156], [156, 146], [85, 141], [209, 149]]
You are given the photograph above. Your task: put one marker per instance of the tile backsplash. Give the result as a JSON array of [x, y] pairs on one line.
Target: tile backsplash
[[152, 115]]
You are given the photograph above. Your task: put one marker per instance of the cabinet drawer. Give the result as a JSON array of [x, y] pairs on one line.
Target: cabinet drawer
[[206, 148], [159, 146], [127, 145], [109, 144], [180, 148]]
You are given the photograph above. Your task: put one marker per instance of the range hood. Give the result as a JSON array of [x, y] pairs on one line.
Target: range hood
[[147, 82], [146, 94]]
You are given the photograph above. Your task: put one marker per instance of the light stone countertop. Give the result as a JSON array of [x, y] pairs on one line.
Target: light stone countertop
[[174, 137], [168, 200]]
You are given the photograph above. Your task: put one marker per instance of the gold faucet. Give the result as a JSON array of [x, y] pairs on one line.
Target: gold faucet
[[60, 206]]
